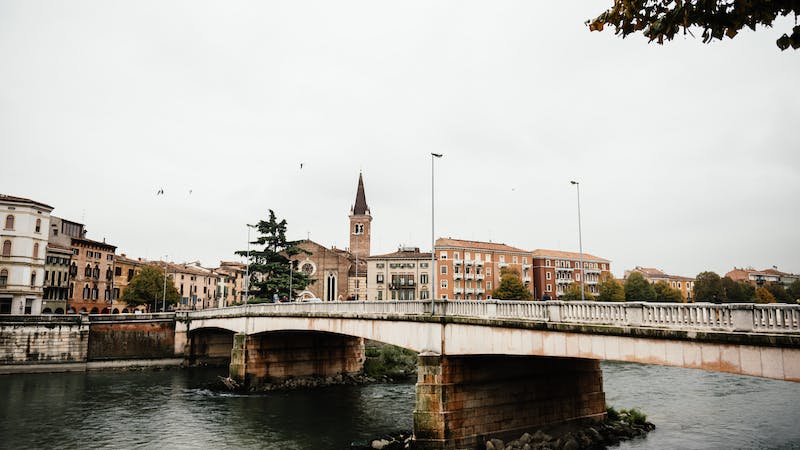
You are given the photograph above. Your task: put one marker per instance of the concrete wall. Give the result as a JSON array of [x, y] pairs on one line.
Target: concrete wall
[[52, 343], [131, 340], [210, 346], [462, 401], [49, 341], [273, 357]]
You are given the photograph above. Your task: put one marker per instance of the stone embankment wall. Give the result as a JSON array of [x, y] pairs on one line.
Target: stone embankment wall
[[43, 340], [51, 343]]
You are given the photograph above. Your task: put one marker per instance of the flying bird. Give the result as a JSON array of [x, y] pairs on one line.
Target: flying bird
[[160, 192], [301, 166]]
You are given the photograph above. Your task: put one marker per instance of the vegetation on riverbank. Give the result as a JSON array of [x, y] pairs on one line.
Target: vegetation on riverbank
[[619, 426], [389, 363]]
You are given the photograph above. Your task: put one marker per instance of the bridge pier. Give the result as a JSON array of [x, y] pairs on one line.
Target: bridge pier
[[462, 401], [276, 356]]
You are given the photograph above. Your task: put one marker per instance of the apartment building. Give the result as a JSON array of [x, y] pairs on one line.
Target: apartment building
[[197, 286], [57, 279], [23, 236], [230, 283], [469, 270], [760, 277], [653, 275], [555, 270], [401, 275]]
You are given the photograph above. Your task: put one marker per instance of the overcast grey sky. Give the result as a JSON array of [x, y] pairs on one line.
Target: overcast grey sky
[[687, 153]]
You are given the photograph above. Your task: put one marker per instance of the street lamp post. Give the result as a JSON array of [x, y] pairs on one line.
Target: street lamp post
[[580, 238], [164, 295], [291, 269], [247, 268], [434, 156]]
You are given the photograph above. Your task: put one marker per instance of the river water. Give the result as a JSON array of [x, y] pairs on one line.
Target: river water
[[175, 409]]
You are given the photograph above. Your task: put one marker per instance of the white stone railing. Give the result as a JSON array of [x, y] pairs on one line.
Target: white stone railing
[[695, 316]]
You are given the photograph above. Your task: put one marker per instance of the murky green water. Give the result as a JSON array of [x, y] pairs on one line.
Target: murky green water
[[175, 409]]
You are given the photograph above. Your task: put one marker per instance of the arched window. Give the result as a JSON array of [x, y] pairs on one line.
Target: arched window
[[7, 248], [3, 277], [73, 270], [96, 271], [88, 271], [94, 292], [9, 222], [36, 250], [38, 225], [86, 292], [109, 274], [331, 287]]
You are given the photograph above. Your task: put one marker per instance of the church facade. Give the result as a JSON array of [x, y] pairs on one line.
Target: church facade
[[339, 274]]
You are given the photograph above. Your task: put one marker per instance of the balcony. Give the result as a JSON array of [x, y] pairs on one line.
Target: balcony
[[469, 290], [457, 262], [526, 266], [458, 276], [458, 290], [479, 263], [470, 276], [478, 276], [502, 264], [480, 290], [526, 278], [591, 270]]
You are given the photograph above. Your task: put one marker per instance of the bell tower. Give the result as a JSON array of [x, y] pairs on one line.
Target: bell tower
[[360, 223]]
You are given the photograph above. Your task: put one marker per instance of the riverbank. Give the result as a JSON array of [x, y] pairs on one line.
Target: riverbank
[[618, 426]]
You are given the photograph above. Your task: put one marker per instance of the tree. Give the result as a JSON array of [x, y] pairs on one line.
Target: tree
[[609, 289], [737, 291], [511, 287], [269, 267], [658, 20], [665, 293], [573, 293], [794, 290], [708, 288], [764, 296], [637, 289], [147, 288], [779, 292]]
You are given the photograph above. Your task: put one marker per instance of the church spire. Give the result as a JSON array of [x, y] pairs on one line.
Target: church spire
[[360, 208]]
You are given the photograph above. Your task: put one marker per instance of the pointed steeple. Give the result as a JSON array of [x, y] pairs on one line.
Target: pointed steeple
[[360, 208]]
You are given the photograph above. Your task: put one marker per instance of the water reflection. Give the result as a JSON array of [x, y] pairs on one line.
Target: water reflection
[[176, 409]]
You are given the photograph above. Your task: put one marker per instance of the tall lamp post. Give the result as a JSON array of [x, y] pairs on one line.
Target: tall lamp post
[[580, 238], [164, 295], [247, 267], [434, 157]]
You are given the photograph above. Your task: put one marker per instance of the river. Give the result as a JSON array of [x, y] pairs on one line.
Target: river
[[175, 409]]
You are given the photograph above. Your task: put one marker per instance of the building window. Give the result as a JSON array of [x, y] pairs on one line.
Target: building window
[[118, 271], [380, 295], [488, 271], [549, 288], [96, 272], [7, 248], [423, 278], [38, 225], [578, 276], [488, 285], [87, 271], [524, 260], [36, 250], [502, 258], [9, 222], [379, 278], [549, 275], [3, 277], [95, 292], [547, 263], [86, 292], [515, 260], [443, 270], [442, 255], [443, 284]]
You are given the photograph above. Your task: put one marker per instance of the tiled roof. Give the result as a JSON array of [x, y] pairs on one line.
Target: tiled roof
[[95, 243], [11, 198], [477, 245], [542, 253], [402, 254]]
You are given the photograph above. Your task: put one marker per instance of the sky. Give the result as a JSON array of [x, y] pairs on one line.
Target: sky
[[686, 154]]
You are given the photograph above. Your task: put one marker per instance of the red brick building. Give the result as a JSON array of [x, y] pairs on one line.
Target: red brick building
[[554, 270]]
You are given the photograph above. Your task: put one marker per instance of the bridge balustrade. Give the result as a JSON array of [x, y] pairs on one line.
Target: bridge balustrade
[[776, 318], [698, 316]]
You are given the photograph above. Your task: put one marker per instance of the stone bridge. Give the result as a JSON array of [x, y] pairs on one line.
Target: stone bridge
[[496, 368]]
